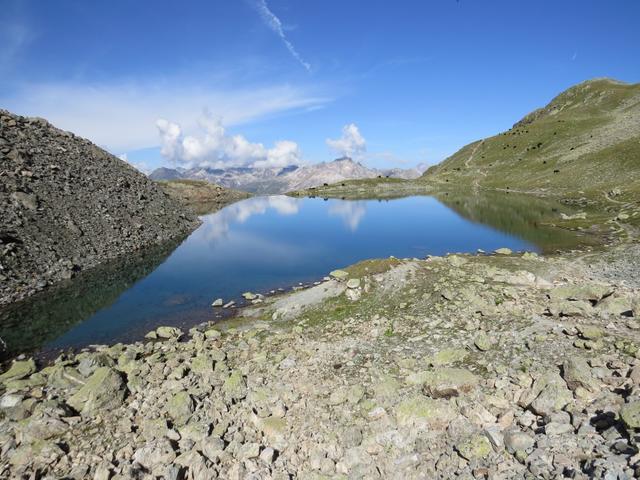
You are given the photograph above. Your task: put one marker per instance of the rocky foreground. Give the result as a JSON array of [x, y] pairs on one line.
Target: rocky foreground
[[494, 366], [67, 205]]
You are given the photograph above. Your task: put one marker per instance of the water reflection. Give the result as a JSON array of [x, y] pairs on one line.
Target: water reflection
[[217, 225], [26, 325], [526, 216], [351, 212]]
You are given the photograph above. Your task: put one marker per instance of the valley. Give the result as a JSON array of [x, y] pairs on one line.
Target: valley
[[518, 360]]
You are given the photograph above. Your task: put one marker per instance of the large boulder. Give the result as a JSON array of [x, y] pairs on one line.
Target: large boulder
[[424, 413], [448, 382], [630, 415], [180, 407], [105, 389], [19, 369], [577, 373], [548, 395]]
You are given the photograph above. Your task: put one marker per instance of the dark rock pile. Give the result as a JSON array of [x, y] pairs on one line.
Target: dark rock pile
[[67, 205]]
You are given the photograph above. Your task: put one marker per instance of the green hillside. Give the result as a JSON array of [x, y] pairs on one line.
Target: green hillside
[[585, 141]]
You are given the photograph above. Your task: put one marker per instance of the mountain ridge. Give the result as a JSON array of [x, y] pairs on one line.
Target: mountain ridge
[[282, 179]]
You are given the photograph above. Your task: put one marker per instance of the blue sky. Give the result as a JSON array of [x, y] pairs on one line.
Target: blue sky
[[255, 82]]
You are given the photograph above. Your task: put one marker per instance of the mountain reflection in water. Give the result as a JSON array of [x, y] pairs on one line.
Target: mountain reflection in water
[[264, 243]]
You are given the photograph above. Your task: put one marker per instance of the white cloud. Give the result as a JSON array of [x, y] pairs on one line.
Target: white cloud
[[275, 24], [122, 116], [215, 148], [352, 144], [284, 153]]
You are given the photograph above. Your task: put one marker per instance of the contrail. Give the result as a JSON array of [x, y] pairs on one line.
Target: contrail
[[275, 24]]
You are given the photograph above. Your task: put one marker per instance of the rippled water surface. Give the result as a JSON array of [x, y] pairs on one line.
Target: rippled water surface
[[258, 245]]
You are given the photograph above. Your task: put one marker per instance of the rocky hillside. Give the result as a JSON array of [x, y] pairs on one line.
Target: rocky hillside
[[201, 196], [282, 180], [587, 139], [67, 205]]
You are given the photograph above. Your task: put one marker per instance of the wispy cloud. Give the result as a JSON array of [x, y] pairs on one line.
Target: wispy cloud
[[13, 38], [274, 23], [122, 115]]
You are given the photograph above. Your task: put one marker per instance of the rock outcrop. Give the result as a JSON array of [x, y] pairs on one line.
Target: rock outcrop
[[67, 205]]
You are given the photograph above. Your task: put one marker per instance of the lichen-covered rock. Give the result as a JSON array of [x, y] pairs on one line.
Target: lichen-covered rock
[[447, 356], [630, 415], [482, 342], [180, 407], [19, 370], [424, 413], [587, 292], [275, 430], [339, 274], [235, 387], [590, 332], [475, 447], [169, 332], [448, 382], [104, 389]]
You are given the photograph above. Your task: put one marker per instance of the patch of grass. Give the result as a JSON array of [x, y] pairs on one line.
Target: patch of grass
[[372, 267]]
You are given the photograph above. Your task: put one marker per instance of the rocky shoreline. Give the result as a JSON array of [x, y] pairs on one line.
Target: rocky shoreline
[[488, 366]]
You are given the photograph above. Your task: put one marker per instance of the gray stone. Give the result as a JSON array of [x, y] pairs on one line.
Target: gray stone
[[217, 303], [448, 382], [577, 373], [154, 454], [353, 283], [516, 441]]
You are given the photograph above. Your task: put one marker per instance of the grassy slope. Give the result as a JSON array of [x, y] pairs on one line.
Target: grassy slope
[[586, 142]]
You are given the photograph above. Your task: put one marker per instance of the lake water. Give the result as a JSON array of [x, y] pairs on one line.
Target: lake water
[[258, 245]]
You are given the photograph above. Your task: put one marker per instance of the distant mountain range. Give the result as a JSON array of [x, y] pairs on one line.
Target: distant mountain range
[[281, 180]]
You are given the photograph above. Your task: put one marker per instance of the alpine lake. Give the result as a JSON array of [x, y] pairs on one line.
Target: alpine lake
[[267, 245]]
